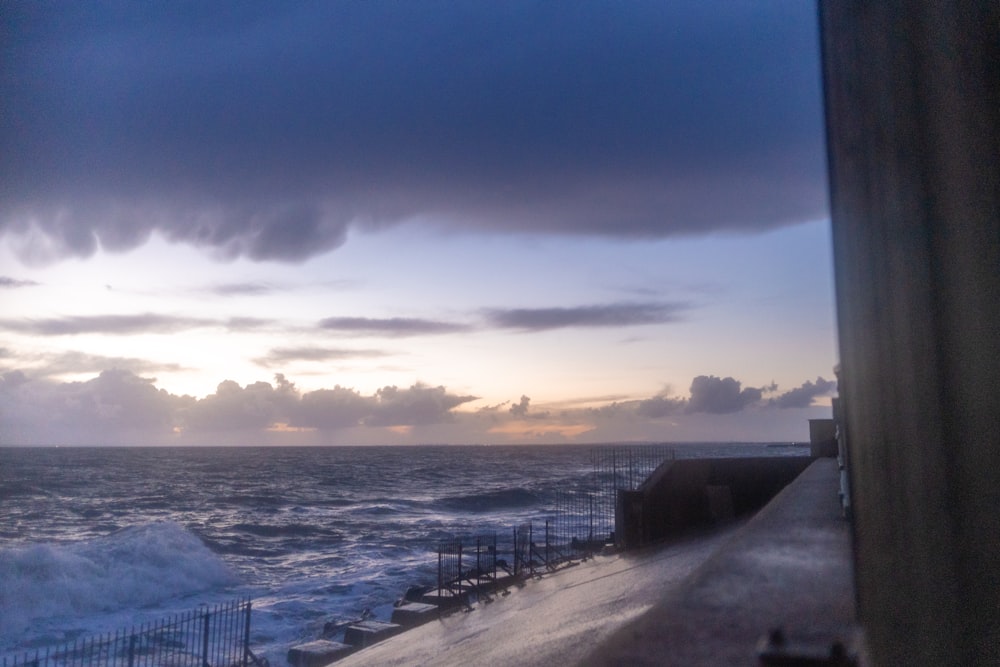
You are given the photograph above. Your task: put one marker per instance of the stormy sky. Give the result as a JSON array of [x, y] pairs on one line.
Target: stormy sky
[[426, 210]]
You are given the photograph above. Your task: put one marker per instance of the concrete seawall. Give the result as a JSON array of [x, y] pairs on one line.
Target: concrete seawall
[[694, 493], [705, 600]]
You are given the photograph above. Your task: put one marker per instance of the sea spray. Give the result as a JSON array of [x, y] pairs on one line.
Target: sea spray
[[134, 567]]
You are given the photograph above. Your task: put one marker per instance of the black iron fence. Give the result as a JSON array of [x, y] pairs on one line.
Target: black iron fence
[[579, 520], [469, 568], [210, 637]]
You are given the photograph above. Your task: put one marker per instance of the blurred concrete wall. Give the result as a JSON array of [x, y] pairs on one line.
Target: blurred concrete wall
[[913, 123]]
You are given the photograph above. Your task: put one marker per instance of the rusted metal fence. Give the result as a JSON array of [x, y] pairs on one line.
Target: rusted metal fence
[[209, 637]]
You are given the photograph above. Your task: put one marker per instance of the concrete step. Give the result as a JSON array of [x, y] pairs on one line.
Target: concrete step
[[317, 653], [366, 633], [412, 614]]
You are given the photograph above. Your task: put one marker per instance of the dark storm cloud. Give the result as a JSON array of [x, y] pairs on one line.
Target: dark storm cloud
[[270, 130], [803, 395], [392, 326], [605, 315], [283, 355], [7, 282]]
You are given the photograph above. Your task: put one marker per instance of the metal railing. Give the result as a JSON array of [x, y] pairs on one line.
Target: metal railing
[[468, 569], [209, 637], [579, 521]]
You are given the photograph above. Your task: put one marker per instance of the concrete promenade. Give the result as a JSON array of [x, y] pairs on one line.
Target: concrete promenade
[[704, 601], [789, 567]]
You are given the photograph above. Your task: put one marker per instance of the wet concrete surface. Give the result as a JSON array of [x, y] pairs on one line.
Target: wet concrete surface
[[789, 567], [703, 601]]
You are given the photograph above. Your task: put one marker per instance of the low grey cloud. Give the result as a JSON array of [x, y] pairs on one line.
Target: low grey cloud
[[720, 395], [246, 323], [271, 130], [234, 408], [391, 327], [605, 315], [283, 355], [414, 405], [6, 282], [327, 409], [119, 406], [82, 362], [803, 395], [659, 406], [116, 407], [708, 394], [242, 289], [117, 325], [520, 409], [12, 379]]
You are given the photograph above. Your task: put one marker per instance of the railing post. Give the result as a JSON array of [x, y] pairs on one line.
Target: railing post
[[479, 565], [204, 642], [515, 551], [246, 636], [439, 571], [131, 649], [548, 557], [531, 547]]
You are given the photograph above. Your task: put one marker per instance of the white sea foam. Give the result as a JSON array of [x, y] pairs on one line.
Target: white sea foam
[[131, 568]]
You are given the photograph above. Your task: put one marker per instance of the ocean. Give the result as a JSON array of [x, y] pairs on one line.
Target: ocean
[[97, 539]]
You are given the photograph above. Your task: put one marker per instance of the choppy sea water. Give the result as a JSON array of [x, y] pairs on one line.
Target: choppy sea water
[[96, 539]]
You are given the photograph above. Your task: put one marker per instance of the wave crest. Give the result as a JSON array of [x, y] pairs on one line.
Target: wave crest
[[132, 567]]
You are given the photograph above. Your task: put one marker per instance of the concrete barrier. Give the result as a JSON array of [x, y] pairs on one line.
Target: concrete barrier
[[685, 494]]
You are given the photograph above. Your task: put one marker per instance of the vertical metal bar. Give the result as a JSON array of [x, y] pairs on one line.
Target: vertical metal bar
[[531, 546], [479, 565], [204, 642], [246, 636], [515, 551], [548, 561]]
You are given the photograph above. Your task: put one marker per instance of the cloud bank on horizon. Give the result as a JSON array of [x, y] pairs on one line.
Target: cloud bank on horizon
[[119, 407], [274, 131]]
